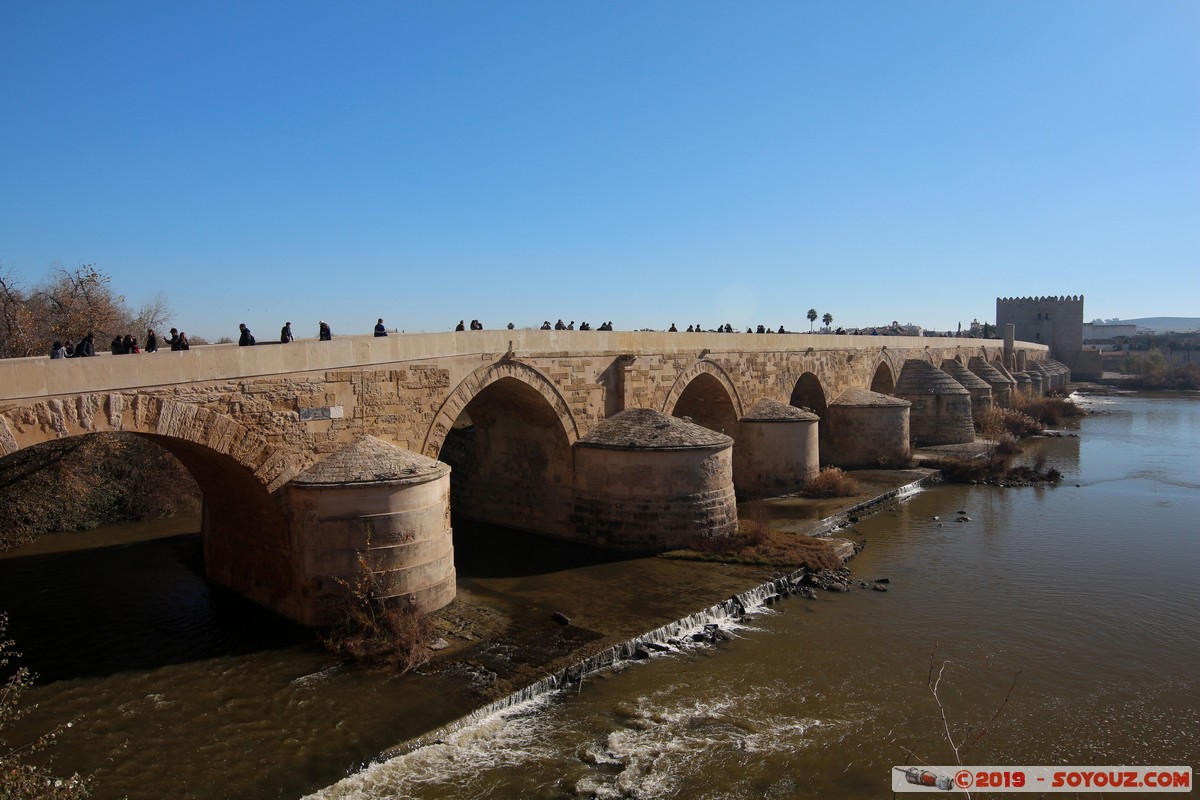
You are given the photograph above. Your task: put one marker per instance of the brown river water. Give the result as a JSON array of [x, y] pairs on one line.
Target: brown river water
[[1089, 591]]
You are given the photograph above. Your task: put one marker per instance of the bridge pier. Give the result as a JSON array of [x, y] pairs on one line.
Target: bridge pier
[[645, 480], [776, 451], [373, 520]]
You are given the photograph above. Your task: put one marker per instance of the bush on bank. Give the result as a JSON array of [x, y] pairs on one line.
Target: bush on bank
[[379, 631], [756, 543], [1048, 410], [25, 771], [831, 482]]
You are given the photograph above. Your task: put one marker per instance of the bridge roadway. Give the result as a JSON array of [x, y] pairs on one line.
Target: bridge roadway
[[247, 421]]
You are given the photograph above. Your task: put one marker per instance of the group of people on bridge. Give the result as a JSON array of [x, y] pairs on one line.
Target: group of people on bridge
[[178, 340], [120, 346], [324, 333]]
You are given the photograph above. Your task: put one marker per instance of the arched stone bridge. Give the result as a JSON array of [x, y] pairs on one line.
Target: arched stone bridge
[[247, 421]]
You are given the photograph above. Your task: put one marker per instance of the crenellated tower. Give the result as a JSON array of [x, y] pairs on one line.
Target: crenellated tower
[[1053, 321]]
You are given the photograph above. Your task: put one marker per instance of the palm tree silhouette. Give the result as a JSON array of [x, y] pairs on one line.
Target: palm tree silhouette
[[827, 319], [812, 317]]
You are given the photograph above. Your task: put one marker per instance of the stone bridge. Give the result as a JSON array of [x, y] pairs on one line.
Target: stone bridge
[[310, 452]]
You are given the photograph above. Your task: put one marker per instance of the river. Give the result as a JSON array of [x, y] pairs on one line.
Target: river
[[1082, 600]]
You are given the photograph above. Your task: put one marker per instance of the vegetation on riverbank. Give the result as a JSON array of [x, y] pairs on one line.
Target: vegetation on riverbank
[[994, 470], [1027, 416], [379, 631], [831, 482], [1005, 428], [1153, 372], [25, 772], [757, 543], [87, 481]]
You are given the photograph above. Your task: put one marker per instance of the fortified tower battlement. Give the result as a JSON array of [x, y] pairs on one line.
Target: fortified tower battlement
[[1054, 321]]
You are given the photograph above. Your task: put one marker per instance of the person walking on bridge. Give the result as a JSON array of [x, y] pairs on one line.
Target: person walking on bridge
[[285, 333], [379, 329], [323, 331], [246, 338]]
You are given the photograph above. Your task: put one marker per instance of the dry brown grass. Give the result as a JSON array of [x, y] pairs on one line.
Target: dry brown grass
[[757, 543], [996, 423], [995, 470], [1048, 410], [831, 482]]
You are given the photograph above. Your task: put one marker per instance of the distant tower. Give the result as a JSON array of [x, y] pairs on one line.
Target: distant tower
[[1053, 321]]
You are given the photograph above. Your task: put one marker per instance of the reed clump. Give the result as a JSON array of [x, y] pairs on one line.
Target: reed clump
[[831, 482], [757, 543], [1048, 410]]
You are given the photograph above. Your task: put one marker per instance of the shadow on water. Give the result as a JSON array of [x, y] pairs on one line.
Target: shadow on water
[[139, 606], [488, 551]]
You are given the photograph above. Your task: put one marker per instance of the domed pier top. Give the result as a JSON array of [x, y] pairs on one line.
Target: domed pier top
[[987, 372], [920, 377], [863, 398], [768, 410], [371, 460], [964, 377], [647, 429]]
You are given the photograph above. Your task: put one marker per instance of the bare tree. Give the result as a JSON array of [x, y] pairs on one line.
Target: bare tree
[[17, 337], [152, 313], [69, 303]]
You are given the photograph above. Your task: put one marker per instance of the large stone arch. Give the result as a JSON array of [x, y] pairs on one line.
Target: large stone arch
[[470, 387], [244, 523], [164, 419], [705, 393], [507, 437]]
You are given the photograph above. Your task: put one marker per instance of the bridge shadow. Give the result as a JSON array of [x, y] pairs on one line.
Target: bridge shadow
[[491, 551], [139, 606]]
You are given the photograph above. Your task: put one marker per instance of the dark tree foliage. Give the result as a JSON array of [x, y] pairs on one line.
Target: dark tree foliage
[[87, 481]]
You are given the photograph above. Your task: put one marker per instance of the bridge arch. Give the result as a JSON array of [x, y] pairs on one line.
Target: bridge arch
[[705, 393], [244, 524], [808, 392], [172, 424], [475, 383], [509, 447], [884, 379]]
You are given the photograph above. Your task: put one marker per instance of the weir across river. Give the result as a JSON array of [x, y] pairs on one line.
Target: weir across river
[[309, 452]]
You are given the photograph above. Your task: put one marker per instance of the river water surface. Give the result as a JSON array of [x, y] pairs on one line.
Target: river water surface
[[1082, 599]]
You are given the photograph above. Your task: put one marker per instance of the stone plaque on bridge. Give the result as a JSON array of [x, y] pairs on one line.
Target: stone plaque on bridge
[[320, 412]]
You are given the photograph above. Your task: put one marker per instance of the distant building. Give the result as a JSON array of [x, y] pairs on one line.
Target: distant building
[[1053, 321], [1102, 332]]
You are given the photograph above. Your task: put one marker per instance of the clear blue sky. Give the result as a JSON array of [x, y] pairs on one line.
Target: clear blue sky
[[644, 162]]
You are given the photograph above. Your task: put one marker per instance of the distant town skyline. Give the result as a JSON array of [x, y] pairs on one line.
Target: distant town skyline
[[646, 164]]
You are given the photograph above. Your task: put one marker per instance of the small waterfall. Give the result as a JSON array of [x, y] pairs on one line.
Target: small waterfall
[[690, 631], [842, 519]]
